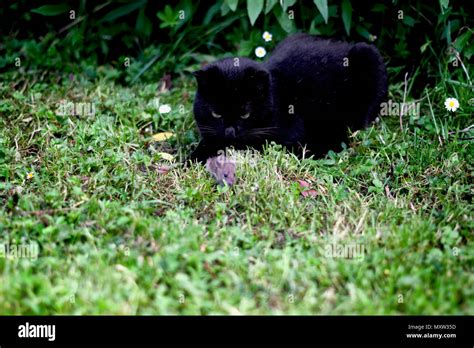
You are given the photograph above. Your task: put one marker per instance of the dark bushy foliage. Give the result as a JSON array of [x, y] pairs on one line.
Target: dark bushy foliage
[[162, 37]]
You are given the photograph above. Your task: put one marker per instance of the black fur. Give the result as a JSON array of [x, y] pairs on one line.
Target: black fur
[[308, 93]]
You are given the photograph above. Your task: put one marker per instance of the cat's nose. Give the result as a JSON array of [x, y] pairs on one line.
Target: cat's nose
[[230, 132]]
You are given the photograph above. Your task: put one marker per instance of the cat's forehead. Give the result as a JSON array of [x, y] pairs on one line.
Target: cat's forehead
[[232, 82], [236, 66], [233, 78], [231, 85], [234, 71]]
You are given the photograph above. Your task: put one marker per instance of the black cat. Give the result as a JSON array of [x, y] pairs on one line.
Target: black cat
[[307, 95]]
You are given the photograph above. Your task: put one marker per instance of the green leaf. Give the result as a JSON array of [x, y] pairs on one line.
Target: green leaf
[[225, 9], [287, 3], [378, 8], [285, 22], [469, 51], [51, 10], [347, 15], [425, 45], [408, 20], [462, 40], [377, 183], [444, 3], [254, 7], [447, 32], [312, 28], [211, 12], [187, 7], [168, 16], [143, 25], [232, 4], [322, 6], [122, 11], [363, 31], [269, 5]]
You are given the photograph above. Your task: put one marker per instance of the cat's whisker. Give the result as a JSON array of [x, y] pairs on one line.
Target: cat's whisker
[[264, 128], [206, 128], [262, 132], [208, 132], [257, 136]]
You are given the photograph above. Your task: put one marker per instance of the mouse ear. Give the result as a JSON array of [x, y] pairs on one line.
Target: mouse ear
[[211, 165]]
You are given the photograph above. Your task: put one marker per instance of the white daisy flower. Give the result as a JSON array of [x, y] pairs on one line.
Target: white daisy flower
[[267, 36], [260, 52], [164, 109], [451, 104]]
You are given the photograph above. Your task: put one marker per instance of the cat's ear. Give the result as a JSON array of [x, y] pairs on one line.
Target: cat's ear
[[262, 82], [205, 73], [201, 77], [198, 74], [206, 76], [262, 73], [256, 74], [262, 76], [259, 78]]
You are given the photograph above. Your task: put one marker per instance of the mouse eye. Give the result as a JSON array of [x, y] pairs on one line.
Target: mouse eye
[[245, 116], [215, 115]]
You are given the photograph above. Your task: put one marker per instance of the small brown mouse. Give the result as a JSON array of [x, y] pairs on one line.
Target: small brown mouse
[[222, 169]]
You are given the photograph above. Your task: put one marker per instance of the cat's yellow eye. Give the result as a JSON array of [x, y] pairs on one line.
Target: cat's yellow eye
[[215, 115], [245, 116]]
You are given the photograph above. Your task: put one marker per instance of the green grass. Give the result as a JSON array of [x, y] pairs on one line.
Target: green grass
[[116, 235]]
